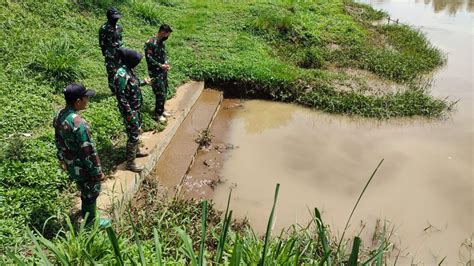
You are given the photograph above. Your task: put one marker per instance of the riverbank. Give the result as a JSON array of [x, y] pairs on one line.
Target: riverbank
[[247, 45]]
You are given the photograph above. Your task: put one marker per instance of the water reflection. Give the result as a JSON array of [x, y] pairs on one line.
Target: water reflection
[[449, 6], [265, 117]]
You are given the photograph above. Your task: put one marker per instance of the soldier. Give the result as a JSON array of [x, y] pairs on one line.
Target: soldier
[[110, 39], [158, 68], [130, 99], [76, 149]]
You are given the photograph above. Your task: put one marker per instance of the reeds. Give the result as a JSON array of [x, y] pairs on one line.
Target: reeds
[[296, 245]]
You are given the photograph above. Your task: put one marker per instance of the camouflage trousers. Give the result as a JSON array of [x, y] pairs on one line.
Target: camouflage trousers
[[111, 66], [90, 190], [160, 89], [133, 125]]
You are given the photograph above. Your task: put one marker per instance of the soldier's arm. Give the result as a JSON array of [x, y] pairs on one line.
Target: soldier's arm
[[149, 55], [102, 40], [144, 82], [121, 96], [89, 155], [165, 55], [121, 41], [59, 143]]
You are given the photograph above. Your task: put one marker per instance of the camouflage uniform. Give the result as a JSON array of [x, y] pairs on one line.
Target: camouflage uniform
[[130, 99], [77, 151], [110, 39], [155, 54]]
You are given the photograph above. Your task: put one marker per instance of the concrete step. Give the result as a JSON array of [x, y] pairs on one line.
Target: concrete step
[[121, 187], [179, 155]]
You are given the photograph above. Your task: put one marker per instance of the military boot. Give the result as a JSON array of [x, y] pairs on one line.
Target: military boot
[[142, 153], [88, 212], [132, 149]]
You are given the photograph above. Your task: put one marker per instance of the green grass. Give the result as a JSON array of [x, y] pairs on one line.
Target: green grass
[[282, 51], [198, 239]]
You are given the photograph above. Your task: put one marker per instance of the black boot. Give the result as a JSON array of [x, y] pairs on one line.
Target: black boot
[[141, 153], [132, 148], [88, 209]]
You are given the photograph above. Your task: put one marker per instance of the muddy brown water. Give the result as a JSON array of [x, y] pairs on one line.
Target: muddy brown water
[[424, 187]]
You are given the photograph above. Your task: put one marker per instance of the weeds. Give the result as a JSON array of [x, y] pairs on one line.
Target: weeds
[[114, 245], [148, 10], [14, 149], [92, 4], [204, 138], [58, 62]]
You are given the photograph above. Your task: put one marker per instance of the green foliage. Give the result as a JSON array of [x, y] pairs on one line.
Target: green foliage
[[312, 57], [147, 10], [364, 13], [114, 246], [58, 62], [14, 148], [92, 4], [405, 103], [30, 188]]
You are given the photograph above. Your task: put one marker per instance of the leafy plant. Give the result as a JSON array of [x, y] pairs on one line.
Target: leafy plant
[[148, 10], [58, 62], [204, 138], [97, 246]]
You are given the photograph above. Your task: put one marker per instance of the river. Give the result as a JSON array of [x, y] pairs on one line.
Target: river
[[424, 188]]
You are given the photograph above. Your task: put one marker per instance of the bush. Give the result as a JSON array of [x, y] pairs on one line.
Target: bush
[[93, 4], [14, 148], [147, 10], [182, 232], [58, 62], [312, 57], [364, 12]]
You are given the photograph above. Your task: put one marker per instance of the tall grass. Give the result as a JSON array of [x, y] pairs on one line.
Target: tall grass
[[307, 245], [147, 10], [58, 62]]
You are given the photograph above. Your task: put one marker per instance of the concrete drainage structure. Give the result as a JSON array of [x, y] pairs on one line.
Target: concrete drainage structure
[[193, 110]]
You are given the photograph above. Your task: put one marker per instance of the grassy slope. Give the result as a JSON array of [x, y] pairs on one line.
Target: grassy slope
[[278, 51]]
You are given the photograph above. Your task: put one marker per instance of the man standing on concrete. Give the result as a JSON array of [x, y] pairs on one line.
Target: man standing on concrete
[[130, 99], [110, 39], [158, 68], [76, 149]]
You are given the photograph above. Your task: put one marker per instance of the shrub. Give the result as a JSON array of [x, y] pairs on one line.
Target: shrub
[[58, 62], [93, 4], [147, 10], [312, 57]]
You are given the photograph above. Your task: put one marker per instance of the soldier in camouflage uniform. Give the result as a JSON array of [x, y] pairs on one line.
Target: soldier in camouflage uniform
[[158, 68], [130, 99], [111, 39], [76, 149]]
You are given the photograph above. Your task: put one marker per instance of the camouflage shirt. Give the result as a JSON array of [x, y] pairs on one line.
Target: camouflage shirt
[[128, 91], [155, 54], [75, 146], [110, 39]]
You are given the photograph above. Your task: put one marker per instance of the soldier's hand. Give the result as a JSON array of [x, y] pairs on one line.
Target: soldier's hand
[[147, 80], [101, 177], [63, 166], [165, 67], [132, 116]]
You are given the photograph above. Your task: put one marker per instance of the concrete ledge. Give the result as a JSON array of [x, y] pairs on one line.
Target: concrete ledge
[[178, 156], [121, 187]]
